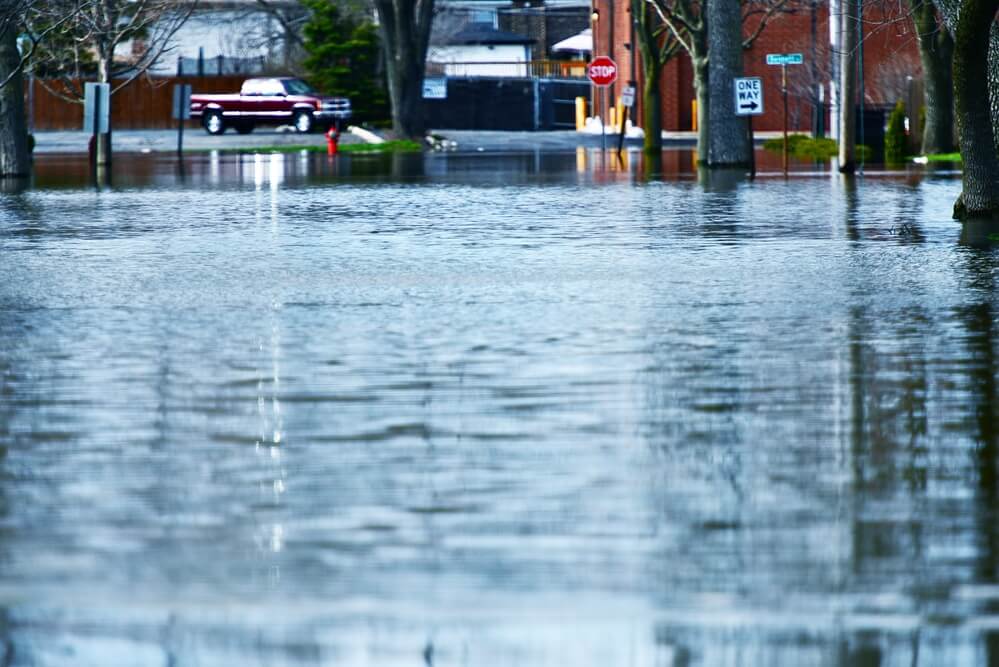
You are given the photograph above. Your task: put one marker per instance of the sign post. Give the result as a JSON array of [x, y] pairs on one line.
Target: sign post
[[627, 101], [784, 59], [749, 103], [181, 111], [602, 72], [97, 120]]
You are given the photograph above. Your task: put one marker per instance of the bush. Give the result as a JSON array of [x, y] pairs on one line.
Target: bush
[[804, 146], [896, 146]]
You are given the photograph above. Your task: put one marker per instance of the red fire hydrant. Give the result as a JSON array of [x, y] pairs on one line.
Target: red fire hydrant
[[332, 140]]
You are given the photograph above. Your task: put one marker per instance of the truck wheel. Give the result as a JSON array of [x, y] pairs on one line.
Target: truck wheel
[[214, 124], [302, 122], [244, 128]]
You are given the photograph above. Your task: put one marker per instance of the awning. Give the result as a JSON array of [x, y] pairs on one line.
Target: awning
[[581, 43]]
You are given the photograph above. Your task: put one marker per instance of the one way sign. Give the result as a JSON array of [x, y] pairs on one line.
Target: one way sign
[[748, 96]]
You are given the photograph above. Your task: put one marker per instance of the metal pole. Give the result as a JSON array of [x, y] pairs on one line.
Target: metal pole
[[752, 148], [95, 139], [834, 47], [180, 132], [622, 122], [610, 41], [783, 84], [860, 77], [603, 116]]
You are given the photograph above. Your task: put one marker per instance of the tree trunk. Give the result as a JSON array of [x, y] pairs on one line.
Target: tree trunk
[[728, 144], [701, 90], [848, 91], [652, 122], [652, 64], [950, 10], [980, 195], [936, 50], [14, 157], [405, 31], [103, 146]]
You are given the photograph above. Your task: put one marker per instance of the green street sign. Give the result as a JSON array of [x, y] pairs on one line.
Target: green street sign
[[784, 59]]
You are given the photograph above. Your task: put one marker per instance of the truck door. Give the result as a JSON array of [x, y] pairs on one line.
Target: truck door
[[273, 100]]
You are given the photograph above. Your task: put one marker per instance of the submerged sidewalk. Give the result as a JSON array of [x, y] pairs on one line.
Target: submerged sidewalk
[[162, 141]]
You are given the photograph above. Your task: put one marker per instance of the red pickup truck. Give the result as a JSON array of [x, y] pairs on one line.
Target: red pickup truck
[[269, 101]]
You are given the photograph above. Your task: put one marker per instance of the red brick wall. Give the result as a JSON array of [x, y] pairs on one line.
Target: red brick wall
[[890, 55]]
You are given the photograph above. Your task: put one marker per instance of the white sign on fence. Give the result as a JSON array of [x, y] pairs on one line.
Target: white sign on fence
[[748, 96], [435, 89], [97, 102], [182, 101]]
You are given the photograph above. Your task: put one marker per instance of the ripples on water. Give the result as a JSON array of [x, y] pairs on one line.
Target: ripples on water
[[492, 410]]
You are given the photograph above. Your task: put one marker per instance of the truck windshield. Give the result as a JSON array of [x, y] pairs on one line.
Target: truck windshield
[[297, 87]]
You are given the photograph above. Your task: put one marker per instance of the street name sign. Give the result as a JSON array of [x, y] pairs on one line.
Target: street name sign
[[602, 71], [748, 96], [784, 59]]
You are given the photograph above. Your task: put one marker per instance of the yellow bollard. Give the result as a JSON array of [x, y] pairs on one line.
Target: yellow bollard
[[621, 116], [580, 113], [693, 115]]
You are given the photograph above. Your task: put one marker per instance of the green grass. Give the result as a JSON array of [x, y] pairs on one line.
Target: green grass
[[944, 157], [395, 146]]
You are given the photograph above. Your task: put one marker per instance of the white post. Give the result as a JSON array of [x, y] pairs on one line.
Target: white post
[[835, 18]]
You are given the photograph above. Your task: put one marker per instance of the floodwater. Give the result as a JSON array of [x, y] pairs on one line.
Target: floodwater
[[538, 409]]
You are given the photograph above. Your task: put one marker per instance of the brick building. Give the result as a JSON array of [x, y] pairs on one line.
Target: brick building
[[890, 56]]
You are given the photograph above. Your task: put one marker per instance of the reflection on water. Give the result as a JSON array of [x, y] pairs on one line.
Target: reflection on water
[[465, 410]]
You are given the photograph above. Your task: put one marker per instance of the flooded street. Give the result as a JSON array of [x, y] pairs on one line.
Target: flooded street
[[532, 409]]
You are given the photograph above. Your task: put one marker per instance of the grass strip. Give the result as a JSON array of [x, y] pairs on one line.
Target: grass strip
[[943, 157]]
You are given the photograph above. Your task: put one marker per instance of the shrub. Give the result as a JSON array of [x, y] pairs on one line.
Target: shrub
[[896, 146], [803, 146]]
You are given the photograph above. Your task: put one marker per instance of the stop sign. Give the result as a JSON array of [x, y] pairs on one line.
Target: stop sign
[[602, 71]]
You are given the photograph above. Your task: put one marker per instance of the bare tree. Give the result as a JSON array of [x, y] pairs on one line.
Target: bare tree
[[100, 29], [687, 20], [14, 158], [657, 45], [282, 24], [936, 51], [97, 32]]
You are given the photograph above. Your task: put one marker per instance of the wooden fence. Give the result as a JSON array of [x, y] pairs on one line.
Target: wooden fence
[[142, 104]]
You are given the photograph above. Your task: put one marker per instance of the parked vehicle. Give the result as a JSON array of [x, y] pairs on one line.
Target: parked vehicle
[[269, 101]]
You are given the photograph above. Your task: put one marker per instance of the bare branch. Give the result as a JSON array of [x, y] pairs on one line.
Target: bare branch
[[773, 9]]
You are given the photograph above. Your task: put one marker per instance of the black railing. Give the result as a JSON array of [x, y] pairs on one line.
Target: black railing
[[219, 66]]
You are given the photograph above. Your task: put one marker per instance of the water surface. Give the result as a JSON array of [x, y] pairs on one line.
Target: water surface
[[535, 409]]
